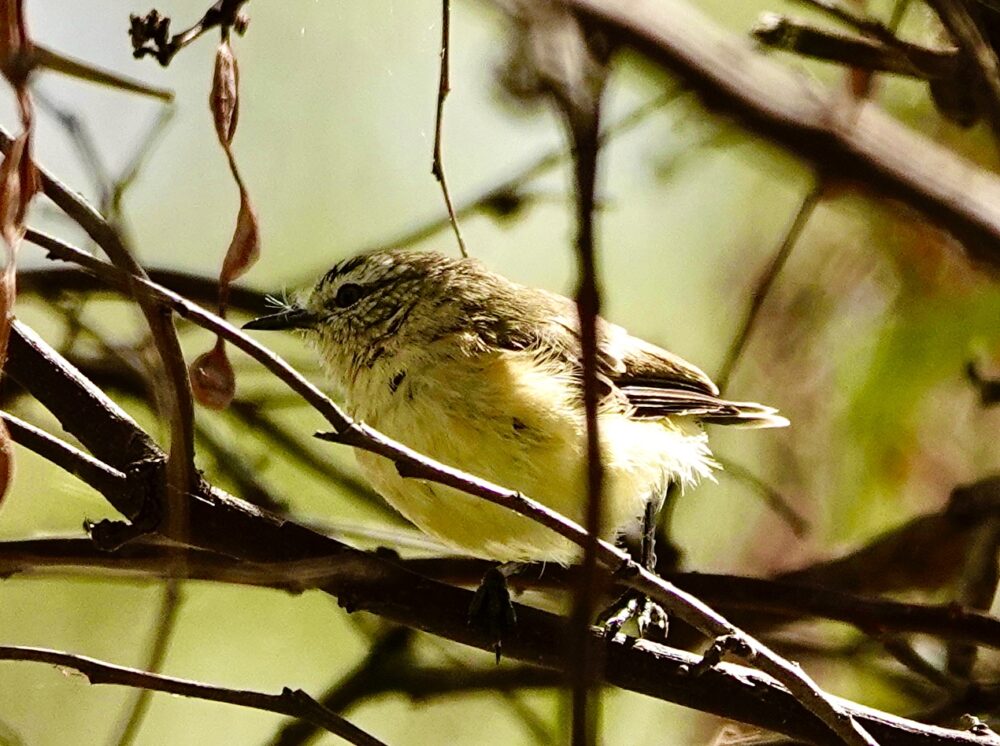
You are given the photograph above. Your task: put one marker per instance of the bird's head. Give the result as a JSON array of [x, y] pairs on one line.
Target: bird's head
[[370, 306]]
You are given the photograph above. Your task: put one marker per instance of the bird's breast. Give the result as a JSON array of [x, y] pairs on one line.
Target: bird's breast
[[516, 421]]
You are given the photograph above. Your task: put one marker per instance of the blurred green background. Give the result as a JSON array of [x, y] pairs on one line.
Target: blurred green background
[[862, 343]]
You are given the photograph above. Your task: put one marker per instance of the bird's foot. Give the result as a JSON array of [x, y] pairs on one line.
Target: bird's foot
[[649, 616], [491, 608]]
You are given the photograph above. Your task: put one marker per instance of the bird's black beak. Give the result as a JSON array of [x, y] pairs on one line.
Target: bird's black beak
[[291, 318]]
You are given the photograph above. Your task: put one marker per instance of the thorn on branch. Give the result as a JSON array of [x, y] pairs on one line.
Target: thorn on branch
[[344, 437], [716, 652]]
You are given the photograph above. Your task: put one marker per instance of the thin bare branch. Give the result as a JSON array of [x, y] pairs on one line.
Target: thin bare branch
[[765, 282], [905, 654], [851, 17], [290, 702], [389, 667], [444, 88], [110, 433], [772, 498], [57, 62], [583, 129], [798, 37], [85, 467]]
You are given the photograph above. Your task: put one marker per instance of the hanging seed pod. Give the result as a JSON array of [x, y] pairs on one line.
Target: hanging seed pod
[[213, 382], [224, 100]]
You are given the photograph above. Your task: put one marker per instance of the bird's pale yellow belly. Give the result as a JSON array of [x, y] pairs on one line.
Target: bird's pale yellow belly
[[504, 418]]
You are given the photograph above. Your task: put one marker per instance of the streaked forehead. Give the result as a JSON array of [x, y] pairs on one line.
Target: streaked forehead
[[360, 269]]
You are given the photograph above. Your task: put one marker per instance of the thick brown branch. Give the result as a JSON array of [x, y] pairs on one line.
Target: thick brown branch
[[218, 521], [761, 602], [368, 582], [83, 410]]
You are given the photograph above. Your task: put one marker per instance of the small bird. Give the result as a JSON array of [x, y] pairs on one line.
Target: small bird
[[484, 375]]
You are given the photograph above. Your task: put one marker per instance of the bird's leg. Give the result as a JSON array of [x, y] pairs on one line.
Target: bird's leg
[[491, 608], [649, 616]]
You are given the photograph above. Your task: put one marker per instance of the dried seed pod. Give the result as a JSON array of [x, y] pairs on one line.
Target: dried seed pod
[[213, 381], [224, 99], [244, 249]]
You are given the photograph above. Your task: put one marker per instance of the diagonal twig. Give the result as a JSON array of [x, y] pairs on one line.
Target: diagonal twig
[[96, 473], [765, 282], [289, 702], [60, 63], [875, 55], [444, 88], [772, 498]]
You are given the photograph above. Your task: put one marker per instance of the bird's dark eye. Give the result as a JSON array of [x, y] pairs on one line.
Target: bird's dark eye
[[347, 295]]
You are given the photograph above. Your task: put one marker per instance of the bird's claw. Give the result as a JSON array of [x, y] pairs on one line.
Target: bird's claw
[[649, 616]]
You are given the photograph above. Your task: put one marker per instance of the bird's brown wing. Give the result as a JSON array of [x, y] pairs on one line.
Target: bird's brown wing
[[658, 383], [645, 364], [653, 382]]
